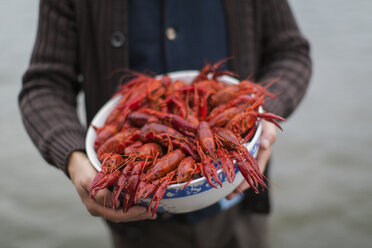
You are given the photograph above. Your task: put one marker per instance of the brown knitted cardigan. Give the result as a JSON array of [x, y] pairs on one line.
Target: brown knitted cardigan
[[74, 50]]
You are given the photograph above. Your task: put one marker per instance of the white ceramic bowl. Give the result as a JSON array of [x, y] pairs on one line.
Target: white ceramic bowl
[[198, 194]]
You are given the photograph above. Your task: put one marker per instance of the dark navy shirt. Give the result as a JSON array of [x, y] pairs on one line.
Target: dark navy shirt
[[173, 35]]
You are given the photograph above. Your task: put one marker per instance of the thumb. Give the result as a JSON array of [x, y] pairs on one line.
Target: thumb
[[268, 135]]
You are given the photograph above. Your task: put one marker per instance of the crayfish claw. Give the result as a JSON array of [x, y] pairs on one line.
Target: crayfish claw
[[210, 172], [160, 191]]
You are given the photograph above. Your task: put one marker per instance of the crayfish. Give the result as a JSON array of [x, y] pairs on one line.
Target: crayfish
[[163, 132]]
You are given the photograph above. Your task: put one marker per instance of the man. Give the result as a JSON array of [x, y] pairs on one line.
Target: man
[[81, 43]]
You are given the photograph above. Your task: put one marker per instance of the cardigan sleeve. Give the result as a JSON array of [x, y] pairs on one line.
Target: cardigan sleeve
[[47, 99], [285, 55]]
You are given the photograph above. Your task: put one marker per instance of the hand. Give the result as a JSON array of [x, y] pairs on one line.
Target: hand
[[82, 174], [267, 139]]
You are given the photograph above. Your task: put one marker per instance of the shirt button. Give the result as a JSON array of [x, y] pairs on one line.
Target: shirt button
[[117, 39], [171, 33]]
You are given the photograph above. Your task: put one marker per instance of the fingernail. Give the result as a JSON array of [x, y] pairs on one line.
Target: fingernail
[[265, 143]]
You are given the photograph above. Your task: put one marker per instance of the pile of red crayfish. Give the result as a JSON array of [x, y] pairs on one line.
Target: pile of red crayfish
[[163, 132]]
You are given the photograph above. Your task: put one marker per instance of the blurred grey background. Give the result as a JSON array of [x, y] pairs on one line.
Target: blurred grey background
[[322, 160]]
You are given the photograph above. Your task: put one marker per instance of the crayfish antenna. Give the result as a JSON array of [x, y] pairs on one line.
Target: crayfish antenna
[[187, 183], [94, 127]]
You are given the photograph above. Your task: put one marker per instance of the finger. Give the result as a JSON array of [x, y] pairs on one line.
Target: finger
[[238, 190], [268, 135], [267, 139], [263, 158], [96, 208], [135, 213], [103, 197]]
